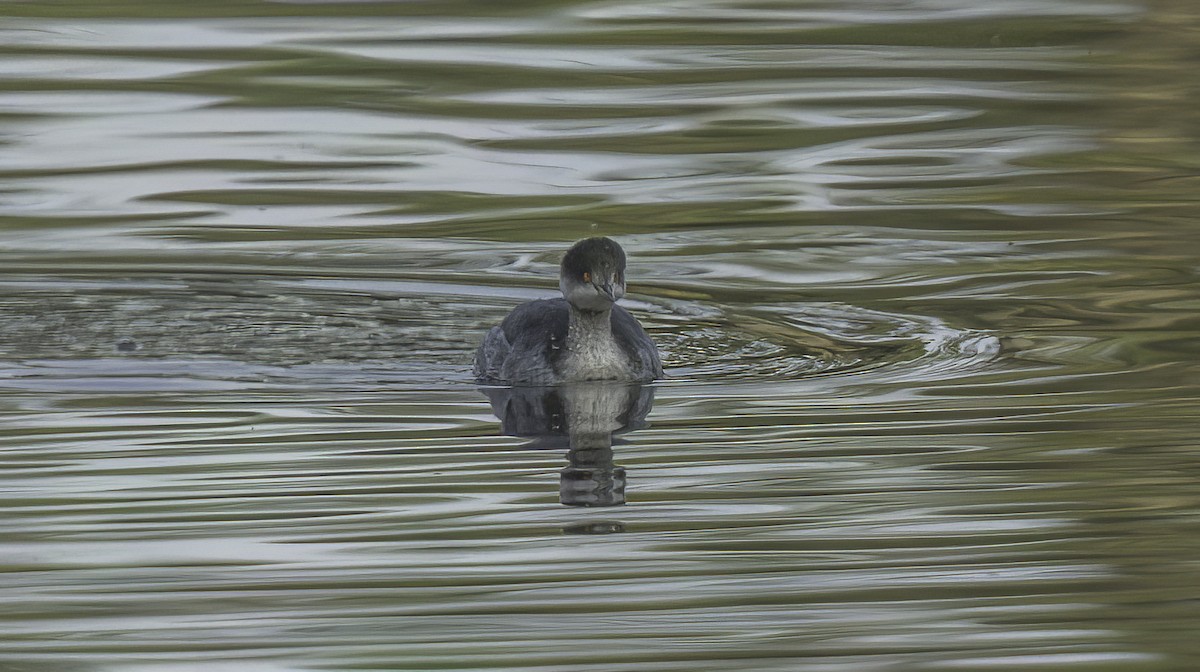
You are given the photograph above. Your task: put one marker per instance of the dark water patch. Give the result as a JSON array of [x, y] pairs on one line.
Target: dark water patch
[[134, 332]]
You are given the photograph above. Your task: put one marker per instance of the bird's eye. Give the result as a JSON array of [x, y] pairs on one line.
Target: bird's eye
[[587, 277]]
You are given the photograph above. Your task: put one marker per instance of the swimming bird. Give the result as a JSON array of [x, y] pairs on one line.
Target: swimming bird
[[583, 336]]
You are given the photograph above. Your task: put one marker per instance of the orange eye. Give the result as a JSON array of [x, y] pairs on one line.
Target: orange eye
[[587, 277]]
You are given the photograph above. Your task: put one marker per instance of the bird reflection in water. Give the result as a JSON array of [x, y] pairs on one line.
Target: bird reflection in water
[[582, 418]]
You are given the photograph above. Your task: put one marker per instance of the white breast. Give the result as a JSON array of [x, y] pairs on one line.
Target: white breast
[[596, 357]]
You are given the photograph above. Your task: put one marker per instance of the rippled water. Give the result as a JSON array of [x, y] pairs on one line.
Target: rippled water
[[924, 276]]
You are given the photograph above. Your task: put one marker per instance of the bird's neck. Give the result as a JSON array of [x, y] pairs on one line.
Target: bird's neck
[[587, 326], [593, 351]]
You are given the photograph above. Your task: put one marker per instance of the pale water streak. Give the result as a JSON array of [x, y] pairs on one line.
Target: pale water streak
[[923, 274]]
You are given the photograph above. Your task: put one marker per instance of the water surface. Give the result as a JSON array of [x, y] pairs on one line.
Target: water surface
[[924, 276]]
